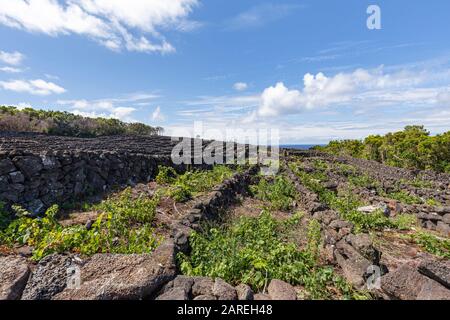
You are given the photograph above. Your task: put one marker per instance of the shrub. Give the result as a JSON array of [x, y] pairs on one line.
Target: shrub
[[5, 217], [346, 204], [320, 165], [124, 226], [166, 175], [185, 186], [68, 124], [405, 221], [280, 193], [412, 147], [179, 193], [133, 209], [314, 239], [405, 197], [363, 180], [433, 202], [252, 251], [432, 244]]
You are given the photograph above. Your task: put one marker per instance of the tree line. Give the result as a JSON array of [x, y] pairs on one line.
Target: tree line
[[413, 148], [64, 123]]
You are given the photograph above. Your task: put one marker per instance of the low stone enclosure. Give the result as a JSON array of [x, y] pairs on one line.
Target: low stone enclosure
[[93, 165], [433, 216], [37, 171], [120, 276], [356, 255]]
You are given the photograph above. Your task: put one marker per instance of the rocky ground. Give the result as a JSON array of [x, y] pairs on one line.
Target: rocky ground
[[412, 259], [402, 261]]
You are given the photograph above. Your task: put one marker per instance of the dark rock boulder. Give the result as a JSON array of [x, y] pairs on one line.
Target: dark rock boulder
[[205, 297], [280, 290], [261, 297], [244, 292], [407, 283], [224, 291], [177, 293], [364, 245], [28, 165], [436, 270], [14, 273], [353, 264], [49, 278], [202, 286], [124, 276], [6, 166]]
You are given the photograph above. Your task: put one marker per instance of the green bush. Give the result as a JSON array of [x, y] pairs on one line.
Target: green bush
[[253, 251], [280, 193], [405, 221], [166, 175], [183, 187], [179, 193], [433, 202], [413, 147], [346, 204], [432, 244], [5, 217], [124, 226], [405, 197], [363, 180], [68, 124], [133, 209]]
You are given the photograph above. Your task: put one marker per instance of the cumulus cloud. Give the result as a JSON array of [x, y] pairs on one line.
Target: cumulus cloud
[[36, 87], [23, 105], [357, 86], [157, 114], [99, 108], [116, 24], [444, 98], [240, 86], [12, 58], [10, 70], [121, 108], [259, 15]]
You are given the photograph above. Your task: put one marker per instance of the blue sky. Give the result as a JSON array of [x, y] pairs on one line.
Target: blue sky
[[310, 68]]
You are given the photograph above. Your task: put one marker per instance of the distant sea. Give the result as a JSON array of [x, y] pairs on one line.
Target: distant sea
[[300, 146]]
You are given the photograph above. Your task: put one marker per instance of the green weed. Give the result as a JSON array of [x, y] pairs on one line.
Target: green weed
[[432, 244], [124, 226], [280, 193], [252, 251]]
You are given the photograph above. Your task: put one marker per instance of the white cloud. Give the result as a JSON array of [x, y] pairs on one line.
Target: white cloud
[[157, 114], [360, 86], [100, 109], [116, 24], [10, 70], [35, 87], [51, 77], [121, 108], [260, 15], [240, 86], [444, 98], [12, 58], [24, 105]]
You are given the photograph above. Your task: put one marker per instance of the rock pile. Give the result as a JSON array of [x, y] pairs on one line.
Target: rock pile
[[205, 288]]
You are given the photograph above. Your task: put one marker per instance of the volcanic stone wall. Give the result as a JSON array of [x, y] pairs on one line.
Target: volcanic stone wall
[[433, 217], [37, 171]]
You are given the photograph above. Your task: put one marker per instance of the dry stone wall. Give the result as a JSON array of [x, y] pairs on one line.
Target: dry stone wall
[[120, 276], [433, 217], [37, 171]]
